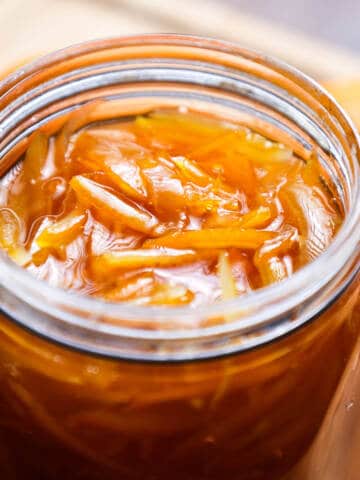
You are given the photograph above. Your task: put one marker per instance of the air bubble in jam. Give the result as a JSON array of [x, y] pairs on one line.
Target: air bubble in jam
[[169, 208]]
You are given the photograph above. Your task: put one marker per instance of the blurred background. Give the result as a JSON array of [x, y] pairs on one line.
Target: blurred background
[[331, 20], [322, 37]]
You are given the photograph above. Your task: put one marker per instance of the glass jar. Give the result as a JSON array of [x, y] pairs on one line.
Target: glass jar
[[93, 390]]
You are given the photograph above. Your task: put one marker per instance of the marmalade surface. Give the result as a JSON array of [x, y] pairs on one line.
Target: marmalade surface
[[169, 208]]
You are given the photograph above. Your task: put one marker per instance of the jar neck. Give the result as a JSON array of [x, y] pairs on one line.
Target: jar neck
[[140, 73]]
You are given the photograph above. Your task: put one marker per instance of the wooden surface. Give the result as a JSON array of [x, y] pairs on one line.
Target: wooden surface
[[33, 27]]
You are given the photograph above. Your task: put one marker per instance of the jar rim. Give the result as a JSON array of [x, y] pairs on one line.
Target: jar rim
[[279, 298]]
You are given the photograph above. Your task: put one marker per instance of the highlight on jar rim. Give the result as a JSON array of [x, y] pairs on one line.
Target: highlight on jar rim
[[173, 196]]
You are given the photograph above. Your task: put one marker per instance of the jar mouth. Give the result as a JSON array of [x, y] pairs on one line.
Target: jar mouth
[[271, 306]]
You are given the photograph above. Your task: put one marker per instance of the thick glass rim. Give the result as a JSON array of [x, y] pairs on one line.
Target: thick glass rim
[[278, 298]]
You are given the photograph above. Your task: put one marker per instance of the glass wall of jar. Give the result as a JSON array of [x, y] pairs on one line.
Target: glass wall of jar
[[239, 389]]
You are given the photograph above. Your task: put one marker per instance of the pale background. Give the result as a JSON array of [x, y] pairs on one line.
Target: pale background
[[336, 21], [319, 36]]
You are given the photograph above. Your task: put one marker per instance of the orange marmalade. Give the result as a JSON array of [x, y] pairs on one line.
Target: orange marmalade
[[168, 208], [157, 177]]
